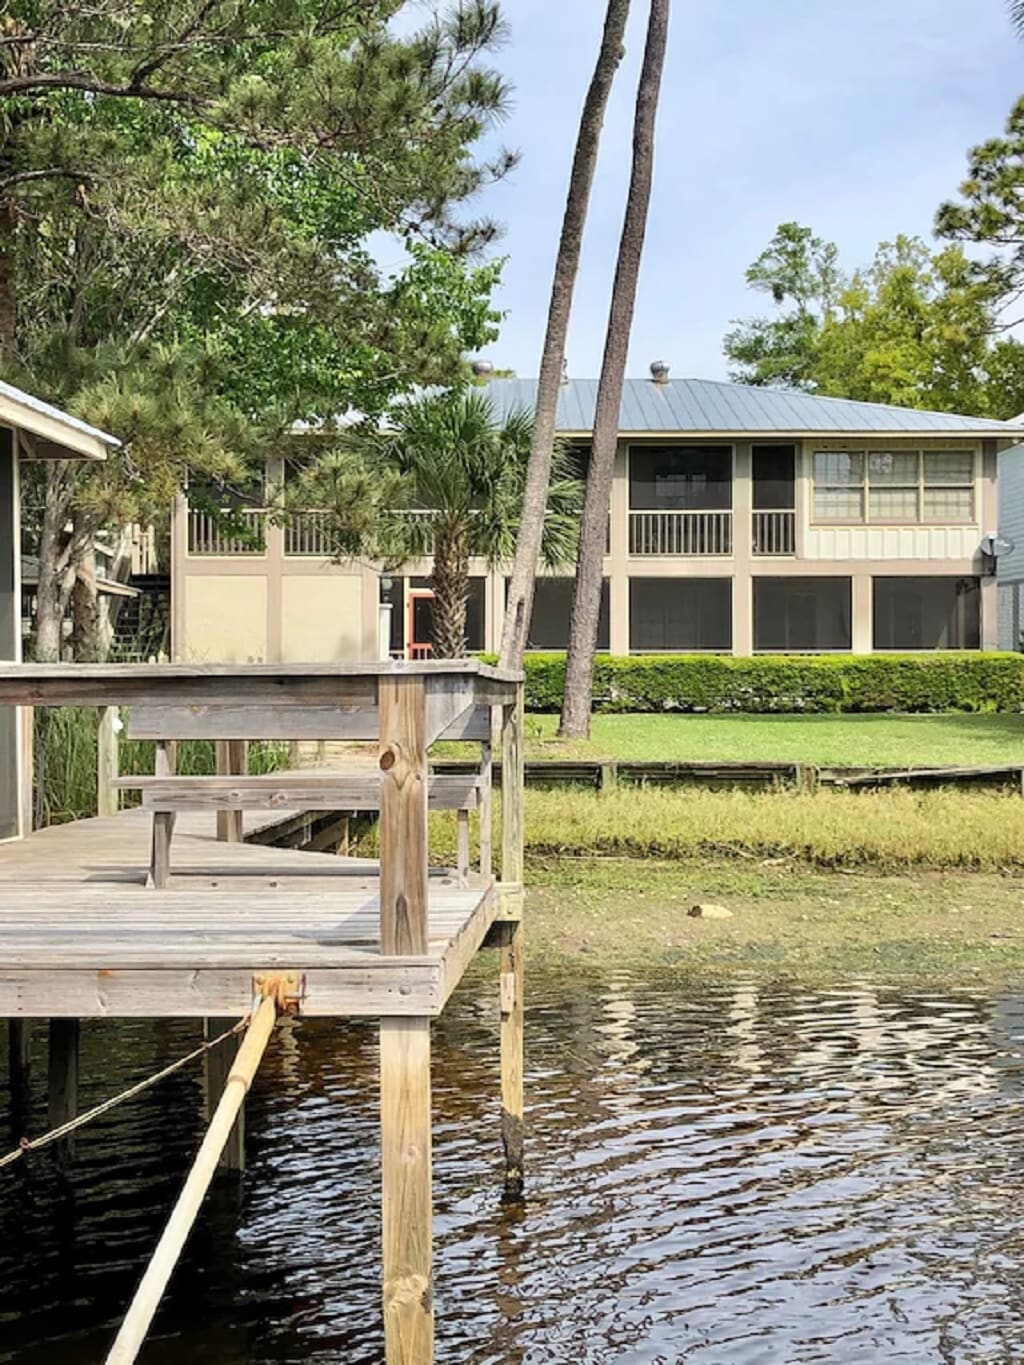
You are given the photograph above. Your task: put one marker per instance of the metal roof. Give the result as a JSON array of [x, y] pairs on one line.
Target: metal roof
[[708, 405], [59, 432]]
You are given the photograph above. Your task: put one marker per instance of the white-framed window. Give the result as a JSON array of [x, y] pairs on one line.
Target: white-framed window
[[894, 487]]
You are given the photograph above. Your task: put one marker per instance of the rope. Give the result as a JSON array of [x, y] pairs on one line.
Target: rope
[[54, 1135]]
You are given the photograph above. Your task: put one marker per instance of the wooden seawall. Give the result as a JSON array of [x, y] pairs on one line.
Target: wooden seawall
[[84, 933]]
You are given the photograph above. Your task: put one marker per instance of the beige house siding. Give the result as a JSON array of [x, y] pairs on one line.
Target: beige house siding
[[321, 617], [225, 618]]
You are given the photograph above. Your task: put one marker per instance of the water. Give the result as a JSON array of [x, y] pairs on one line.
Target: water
[[722, 1172]]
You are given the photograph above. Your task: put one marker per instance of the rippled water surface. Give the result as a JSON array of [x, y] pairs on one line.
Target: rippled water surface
[[727, 1172]]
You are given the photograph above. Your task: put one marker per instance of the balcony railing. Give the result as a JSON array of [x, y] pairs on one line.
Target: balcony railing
[[680, 533], [774, 533], [309, 533], [208, 536]]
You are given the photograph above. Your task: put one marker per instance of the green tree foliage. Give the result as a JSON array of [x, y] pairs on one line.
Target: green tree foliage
[[917, 327], [188, 192], [442, 480]]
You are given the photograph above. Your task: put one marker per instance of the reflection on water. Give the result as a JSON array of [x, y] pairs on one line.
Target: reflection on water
[[718, 1172]]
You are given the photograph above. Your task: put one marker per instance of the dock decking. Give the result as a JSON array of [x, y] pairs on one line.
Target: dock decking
[[82, 936]]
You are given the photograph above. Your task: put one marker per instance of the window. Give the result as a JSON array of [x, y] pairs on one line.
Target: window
[[927, 613], [802, 613], [894, 487], [680, 614], [680, 478], [549, 621]]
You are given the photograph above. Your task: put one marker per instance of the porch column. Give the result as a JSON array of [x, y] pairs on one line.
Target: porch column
[[862, 634], [617, 559], [742, 567]]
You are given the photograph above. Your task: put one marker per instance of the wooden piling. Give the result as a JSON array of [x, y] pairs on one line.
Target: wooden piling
[[406, 1190], [462, 843], [217, 1066], [62, 1080], [510, 942], [147, 1297], [510, 939], [19, 1060]]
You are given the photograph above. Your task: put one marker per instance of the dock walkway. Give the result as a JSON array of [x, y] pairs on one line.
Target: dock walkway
[[81, 934]]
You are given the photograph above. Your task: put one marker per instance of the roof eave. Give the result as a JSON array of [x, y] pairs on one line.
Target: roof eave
[[72, 441], [796, 434]]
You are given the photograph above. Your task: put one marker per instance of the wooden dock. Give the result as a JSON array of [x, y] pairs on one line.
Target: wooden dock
[[85, 932]]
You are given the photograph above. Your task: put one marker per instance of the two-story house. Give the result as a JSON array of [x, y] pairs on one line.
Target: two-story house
[[742, 520]]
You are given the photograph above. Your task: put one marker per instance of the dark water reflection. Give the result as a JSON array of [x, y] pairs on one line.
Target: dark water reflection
[[722, 1172]]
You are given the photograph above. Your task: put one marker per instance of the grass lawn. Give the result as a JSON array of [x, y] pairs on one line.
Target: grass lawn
[[869, 740], [611, 913]]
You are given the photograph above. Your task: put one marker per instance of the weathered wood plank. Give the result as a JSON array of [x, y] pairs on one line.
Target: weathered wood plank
[[193, 993], [403, 816], [407, 1212], [287, 791], [274, 722]]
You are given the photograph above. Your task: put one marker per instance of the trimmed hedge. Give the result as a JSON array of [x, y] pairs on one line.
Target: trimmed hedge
[[787, 683]]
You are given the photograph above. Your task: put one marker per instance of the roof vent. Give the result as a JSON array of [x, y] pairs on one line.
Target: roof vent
[[483, 369], [659, 372]]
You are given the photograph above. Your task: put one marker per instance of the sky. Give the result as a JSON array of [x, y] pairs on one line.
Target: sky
[[853, 118]]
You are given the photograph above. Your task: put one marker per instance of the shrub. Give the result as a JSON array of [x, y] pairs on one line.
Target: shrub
[[787, 683]]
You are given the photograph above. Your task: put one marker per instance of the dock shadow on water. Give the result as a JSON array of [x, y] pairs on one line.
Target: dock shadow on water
[[717, 1172]]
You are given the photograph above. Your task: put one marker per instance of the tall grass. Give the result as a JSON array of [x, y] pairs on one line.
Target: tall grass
[[66, 754], [894, 830], [885, 829]]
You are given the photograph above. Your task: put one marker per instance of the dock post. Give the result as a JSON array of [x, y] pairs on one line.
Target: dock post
[[217, 1066], [19, 1061], [62, 1079], [107, 763], [231, 758], [406, 1190], [406, 1198], [510, 932]]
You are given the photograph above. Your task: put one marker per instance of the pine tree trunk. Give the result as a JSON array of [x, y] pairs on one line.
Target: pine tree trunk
[[55, 577], [87, 643], [586, 601], [451, 592], [538, 473]]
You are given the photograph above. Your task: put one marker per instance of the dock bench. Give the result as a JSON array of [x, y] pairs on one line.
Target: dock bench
[[166, 795]]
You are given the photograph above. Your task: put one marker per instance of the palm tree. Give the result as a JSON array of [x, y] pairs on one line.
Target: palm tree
[[586, 600], [442, 481], [539, 470], [1017, 13]]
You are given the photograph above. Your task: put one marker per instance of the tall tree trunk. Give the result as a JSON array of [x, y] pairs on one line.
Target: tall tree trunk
[[538, 472], [87, 643], [451, 592], [586, 600], [56, 574]]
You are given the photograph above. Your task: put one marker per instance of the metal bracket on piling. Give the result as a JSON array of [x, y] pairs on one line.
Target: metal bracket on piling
[[287, 989]]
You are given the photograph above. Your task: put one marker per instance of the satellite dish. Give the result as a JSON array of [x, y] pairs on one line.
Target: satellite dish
[[996, 545]]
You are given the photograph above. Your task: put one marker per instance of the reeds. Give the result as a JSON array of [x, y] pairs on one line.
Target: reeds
[[65, 762]]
